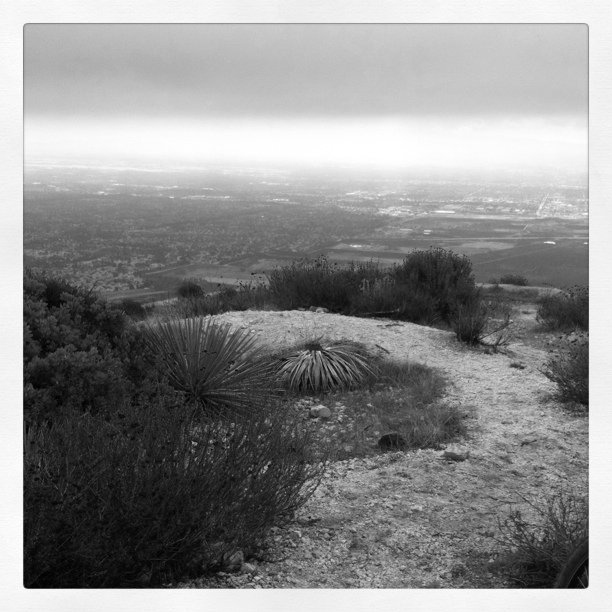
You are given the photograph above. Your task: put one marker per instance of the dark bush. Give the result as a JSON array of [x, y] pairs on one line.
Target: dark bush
[[565, 311], [570, 372], [75, 350], [150, 496], [189, 289], [514, 279], [132, 308], [316, 282], [443, 276], [426, 287]]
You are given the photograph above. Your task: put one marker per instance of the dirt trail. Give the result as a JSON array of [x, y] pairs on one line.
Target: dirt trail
[[410, 520]]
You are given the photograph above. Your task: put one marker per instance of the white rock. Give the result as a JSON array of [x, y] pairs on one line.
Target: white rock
[[320, 411]]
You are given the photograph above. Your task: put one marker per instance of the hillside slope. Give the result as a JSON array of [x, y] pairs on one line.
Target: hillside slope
[[410, 520]]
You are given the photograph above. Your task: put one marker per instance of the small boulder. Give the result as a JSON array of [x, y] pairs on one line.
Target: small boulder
[[313, 309], [450, 456], [392, 441], [320, 412], [233, 562], [321, 309]]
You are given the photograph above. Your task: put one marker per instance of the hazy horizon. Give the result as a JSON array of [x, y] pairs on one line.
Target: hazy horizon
[[373, 96]]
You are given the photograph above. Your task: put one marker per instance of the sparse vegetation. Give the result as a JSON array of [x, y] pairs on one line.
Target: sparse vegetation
[[155, 451], [428, 286], [387, 397], [241, 297], [470, 322], [570, 372], [129, 479], [565, 311], [151, 495], [538, 547]]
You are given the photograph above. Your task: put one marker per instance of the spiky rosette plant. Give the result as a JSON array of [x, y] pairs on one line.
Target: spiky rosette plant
[[317, 366], [217, 367]]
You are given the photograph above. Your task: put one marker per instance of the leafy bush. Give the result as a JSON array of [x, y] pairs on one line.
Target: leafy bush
[[150, 495], [319, 366], [76, 349], [215, 366], [537, 550], [565, 311], [514, 279], [570, 372]]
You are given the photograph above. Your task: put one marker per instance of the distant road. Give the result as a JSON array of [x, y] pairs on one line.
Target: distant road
[[542, 204]]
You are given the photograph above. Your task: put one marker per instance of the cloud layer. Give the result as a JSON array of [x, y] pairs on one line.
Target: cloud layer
[[288, 70]]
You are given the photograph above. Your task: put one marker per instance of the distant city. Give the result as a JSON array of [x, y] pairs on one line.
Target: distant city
[[131, 232]]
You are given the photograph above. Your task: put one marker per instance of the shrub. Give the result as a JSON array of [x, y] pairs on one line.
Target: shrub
[[132, 308], [216, 367], [445, 277], [565, 311], [150, 496], [246, 295], [189, 289], [76, 350], [319, 366], [570, 372], [513, 279], [470, 322], [308, 283], [537, 550]]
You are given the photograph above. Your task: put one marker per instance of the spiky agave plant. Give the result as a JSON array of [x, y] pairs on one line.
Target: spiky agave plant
[[217, 367], [317, 366]]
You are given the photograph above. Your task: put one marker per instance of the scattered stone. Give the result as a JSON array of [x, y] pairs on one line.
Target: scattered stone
[[450, 456], [320, 412], [320, 309], [312, 309], [248, 568], [392, 441]]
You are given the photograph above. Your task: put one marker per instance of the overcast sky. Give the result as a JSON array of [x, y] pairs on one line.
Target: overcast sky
[[335, 92]]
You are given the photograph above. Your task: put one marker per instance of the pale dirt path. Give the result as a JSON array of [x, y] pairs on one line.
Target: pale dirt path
[[409, 520]]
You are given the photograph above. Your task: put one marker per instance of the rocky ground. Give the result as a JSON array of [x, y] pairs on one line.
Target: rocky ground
[[419, 519]]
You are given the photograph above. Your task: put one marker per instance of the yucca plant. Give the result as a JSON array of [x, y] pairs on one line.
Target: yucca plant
[[217, 367], [317, 366]]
